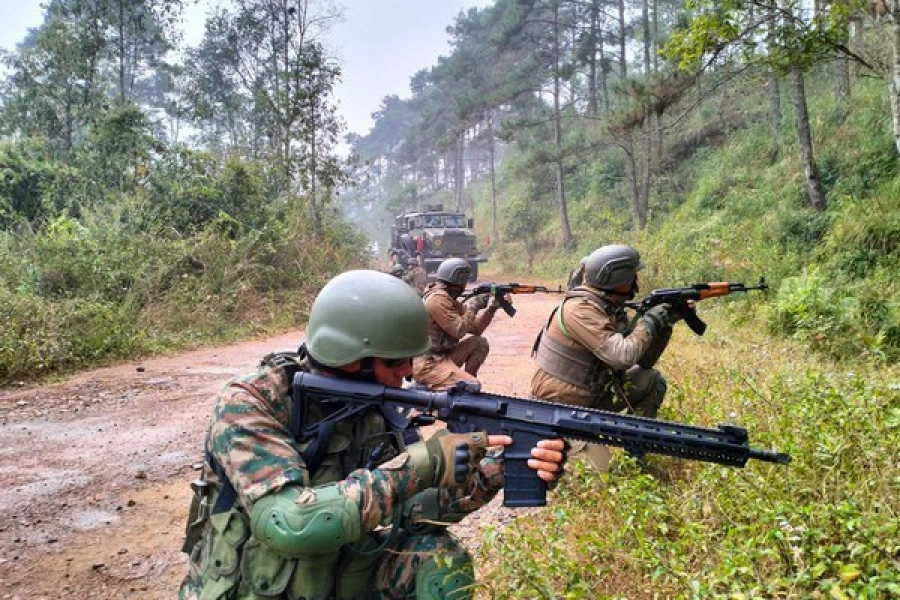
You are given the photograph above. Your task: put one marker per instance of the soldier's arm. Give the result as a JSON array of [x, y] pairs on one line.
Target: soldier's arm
[[257, 454], [597, 332], [443, 311]]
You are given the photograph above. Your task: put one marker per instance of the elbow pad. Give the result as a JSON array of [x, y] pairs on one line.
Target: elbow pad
[[322, 522]]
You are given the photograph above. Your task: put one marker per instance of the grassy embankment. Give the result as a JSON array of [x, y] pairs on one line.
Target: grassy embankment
[[811, 370]]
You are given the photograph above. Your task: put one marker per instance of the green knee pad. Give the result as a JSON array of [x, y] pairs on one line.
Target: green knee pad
[[446, 579]]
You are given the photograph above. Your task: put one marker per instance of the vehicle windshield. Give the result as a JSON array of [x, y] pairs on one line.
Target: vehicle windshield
[[454, 221]]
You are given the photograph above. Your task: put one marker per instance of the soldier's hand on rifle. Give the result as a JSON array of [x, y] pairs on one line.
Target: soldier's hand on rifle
[[548, 458], [677, 315], [479, 302], [659, 317], [449, 459], [495, 305]]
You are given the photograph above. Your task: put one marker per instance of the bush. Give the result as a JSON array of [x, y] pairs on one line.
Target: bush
[[38, 337]]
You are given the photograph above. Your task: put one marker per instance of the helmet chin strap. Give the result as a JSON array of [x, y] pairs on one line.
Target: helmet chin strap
[[366, 370]]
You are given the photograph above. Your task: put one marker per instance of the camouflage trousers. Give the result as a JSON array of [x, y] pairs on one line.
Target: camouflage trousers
[[441, 371], [428, 566]]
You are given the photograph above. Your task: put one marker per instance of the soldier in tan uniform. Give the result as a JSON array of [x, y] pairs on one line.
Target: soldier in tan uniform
[[591, 354], [410, 272], [458, 348]]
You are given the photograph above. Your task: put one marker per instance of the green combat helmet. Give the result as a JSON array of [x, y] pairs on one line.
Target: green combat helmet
[[454, 271], [397, 270], [611, 266], [362, 314]]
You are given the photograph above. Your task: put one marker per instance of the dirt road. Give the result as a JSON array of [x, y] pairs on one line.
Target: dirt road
[[94, 471]]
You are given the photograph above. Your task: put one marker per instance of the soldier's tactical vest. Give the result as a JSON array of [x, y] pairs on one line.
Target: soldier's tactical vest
[[234, 565], [576, 366]]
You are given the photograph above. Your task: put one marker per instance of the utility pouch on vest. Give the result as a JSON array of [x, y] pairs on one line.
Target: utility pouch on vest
[[356, 573], [198, 514], [228, 531], [264, 572], [313, 577]]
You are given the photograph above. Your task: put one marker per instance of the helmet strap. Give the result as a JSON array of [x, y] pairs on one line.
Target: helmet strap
[[366, 369]]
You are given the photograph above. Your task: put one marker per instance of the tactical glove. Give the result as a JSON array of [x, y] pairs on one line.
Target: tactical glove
[[659, 318], [448, 459], [479, 302], [495, 305]]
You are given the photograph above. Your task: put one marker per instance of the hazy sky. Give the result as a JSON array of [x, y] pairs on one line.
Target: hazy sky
[[381, 43]]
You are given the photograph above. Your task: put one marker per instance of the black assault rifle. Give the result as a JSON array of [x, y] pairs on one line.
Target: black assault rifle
[[678, 298], [500, 290], [528, 421]]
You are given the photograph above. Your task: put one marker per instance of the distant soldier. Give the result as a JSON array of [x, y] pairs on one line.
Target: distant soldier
[[411, 273], [458, 348]]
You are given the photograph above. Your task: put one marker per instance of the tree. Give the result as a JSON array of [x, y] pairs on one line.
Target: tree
[[795, 41], [266, 53]]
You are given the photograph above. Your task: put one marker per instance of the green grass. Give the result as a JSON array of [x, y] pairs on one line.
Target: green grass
[[825, 526]]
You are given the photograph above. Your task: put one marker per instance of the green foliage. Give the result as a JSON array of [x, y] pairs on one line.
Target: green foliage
[[100, 286], [39, 336], [825, 526], [32, 186]]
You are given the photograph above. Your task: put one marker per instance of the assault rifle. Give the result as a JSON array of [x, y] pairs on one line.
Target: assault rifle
[[528, 421], [678, 298], [500, 290]]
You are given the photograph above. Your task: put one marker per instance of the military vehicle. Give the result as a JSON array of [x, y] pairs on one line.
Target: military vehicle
[[433, 234]]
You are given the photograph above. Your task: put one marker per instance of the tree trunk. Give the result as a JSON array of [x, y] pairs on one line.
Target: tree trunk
[[894, 85], [841, 73], [494, 237], [814, 190], [656, 115], [458, 175], [557, 135], [623, 42], [775, 115], [639, 214], [595, 37]]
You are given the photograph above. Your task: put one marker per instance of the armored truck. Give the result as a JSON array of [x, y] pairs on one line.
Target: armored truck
[[433, 234]]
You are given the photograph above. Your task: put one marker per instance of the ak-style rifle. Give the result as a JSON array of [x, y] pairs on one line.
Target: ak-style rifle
[[500, 290], [678, 299]]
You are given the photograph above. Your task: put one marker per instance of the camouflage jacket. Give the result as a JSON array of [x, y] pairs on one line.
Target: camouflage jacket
[[250, 438]]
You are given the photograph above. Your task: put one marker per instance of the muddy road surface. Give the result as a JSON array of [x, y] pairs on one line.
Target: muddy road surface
[[95, 470]]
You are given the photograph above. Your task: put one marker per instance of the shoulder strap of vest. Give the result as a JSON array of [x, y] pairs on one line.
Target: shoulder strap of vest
[[594, 298]]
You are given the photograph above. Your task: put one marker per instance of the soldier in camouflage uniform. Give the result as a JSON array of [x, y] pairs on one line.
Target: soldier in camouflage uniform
[[591, 354], [347, 511], [457, 347]]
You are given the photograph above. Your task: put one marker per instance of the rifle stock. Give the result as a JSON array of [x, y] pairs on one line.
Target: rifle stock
[[528, 421]]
